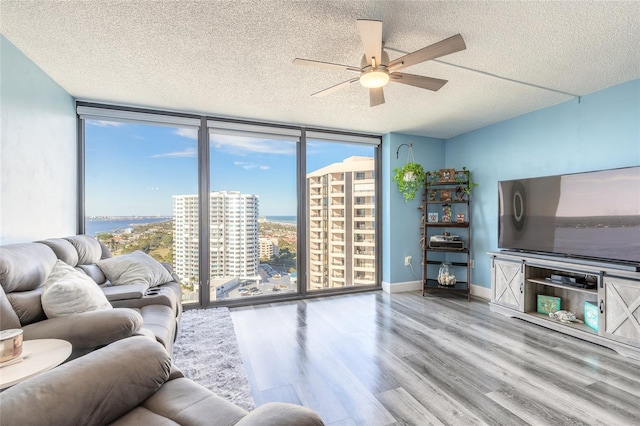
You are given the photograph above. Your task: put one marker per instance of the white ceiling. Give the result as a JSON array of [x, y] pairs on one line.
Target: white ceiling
[[233, 58]]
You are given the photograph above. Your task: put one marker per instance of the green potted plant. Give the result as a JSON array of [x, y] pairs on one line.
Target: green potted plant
[[410, 179], [465, 178]]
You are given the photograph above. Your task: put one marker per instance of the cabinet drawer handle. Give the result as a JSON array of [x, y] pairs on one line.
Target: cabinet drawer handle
[[601, 306]]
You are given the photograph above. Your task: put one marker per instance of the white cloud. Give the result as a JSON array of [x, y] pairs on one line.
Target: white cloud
[[187, 153], [240, 145], [104, 123], [188, 133], [248, 165]]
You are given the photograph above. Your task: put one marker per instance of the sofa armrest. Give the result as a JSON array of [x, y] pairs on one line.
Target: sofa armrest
[[124, 292], [153, 296], [87, 331], [93, 390], [281, 414]]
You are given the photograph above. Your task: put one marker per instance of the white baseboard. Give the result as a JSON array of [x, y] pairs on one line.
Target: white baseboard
[[400, 287], [476, 290], [480, 291]]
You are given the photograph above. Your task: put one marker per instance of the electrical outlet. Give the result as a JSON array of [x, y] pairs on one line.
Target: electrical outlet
[[472, 264], [407, 260]]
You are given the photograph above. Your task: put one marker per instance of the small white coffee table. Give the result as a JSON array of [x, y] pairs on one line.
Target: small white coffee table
[[41, 355]]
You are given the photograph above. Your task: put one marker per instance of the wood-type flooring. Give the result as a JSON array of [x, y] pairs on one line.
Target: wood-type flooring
[[380, 359]]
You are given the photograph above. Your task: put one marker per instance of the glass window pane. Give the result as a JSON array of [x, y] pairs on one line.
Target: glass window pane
[[133, 174], [341, 215], [253, 217]]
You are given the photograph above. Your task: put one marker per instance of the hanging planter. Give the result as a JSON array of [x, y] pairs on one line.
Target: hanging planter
[[410, 177]]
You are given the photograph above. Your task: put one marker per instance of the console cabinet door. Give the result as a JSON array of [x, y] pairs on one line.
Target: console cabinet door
[[507, 283], [621, 310]]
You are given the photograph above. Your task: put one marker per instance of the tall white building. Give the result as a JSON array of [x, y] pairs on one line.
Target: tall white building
[[341, 217], [233, 233]]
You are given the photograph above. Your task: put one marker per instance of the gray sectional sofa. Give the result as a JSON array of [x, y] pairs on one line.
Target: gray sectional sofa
[[121, 315], [151, 309], [132, 382]]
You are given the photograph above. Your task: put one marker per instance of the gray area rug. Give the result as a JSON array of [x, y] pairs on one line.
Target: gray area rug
[[207, 352]]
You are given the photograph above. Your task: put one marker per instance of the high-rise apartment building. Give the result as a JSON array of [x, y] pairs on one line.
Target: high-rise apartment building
[[233, 235], [268, 248], [341, 217]]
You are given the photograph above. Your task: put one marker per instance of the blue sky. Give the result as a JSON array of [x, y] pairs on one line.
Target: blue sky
[[135, 169]]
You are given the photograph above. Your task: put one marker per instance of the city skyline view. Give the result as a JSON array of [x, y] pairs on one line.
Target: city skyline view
[[145, 165]]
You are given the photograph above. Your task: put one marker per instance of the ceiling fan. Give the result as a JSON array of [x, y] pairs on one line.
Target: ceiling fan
[[376, 70]]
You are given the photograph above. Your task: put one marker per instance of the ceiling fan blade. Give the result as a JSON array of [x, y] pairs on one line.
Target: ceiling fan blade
[[376, 97], [309, 62], [428, 83], [336, 87], [436, 50], [371, 35]]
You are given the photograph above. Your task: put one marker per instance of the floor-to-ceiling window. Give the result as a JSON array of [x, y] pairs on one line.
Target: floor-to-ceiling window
[[341, 212], [253, 211], [136, 175], [242, 211]]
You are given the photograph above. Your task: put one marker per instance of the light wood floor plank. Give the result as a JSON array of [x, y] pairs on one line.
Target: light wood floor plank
[[380, 359]]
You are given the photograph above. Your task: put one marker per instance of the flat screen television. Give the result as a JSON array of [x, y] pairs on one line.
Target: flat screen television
[[592, 215]]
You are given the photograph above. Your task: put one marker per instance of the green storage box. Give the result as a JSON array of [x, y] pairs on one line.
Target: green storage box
[[548, 304], [591, 315]]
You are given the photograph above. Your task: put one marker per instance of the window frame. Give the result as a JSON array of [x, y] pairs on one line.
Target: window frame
[[85, 110]]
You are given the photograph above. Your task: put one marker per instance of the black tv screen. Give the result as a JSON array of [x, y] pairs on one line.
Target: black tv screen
[[590, 215]]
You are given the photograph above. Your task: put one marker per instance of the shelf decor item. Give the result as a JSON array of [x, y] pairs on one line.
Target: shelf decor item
[[446, 213], [591, 315], [548, 304], [432, 217], [447, 175], [445, 195], [410, 177], [460, 217], [445, 275]]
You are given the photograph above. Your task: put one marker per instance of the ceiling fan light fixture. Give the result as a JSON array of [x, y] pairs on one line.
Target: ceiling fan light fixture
[[374, 79]]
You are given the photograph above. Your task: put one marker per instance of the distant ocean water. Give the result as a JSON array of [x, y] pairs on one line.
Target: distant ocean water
[[282, 219], [94, 227]]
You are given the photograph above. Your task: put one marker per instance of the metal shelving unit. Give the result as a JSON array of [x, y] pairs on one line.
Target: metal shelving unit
[[439, 195]]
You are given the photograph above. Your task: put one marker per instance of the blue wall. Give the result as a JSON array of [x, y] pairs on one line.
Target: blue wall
[[38, 152], [401, 220], [599, 131]]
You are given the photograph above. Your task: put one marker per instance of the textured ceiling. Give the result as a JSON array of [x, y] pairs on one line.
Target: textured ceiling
[[233, 58]]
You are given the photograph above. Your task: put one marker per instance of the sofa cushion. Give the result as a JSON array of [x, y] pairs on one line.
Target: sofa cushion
[[136, 267], [8, 317], [25, 267], [28, 305], [89, 330], [94, 272], [91, 390], [63, 249], [188, 403], [88, 248], [161, 321], [69, 291]]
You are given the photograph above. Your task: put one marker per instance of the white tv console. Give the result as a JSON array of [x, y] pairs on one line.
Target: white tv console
[[518, 278]]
